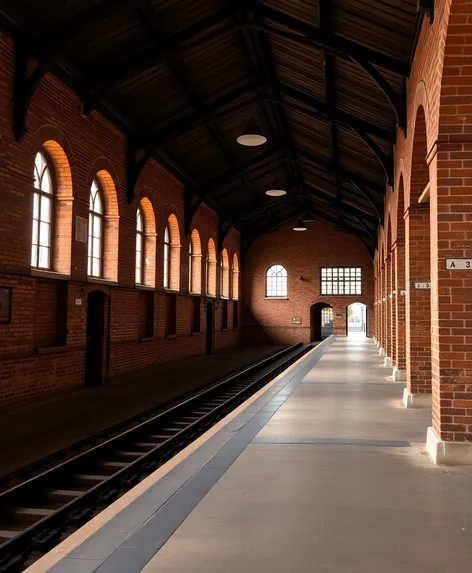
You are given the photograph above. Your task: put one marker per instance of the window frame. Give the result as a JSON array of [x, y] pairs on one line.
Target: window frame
[[52, 219], [101, 216], [343, 281], [190, 265], [142, 258], [276, 296], [166, 262]]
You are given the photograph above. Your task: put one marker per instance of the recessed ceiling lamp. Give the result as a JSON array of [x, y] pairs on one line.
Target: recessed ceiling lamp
[[300, 226], [276, 192], [252, 136]]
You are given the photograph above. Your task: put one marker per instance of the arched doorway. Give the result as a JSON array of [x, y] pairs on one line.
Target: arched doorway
[[356, 319], [210, 328], [97, 338], [321, 321]]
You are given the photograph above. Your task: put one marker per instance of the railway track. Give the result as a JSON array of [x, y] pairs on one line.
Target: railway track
[[39, 513]]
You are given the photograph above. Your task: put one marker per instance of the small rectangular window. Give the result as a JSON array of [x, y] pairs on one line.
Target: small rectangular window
[[341, 281]]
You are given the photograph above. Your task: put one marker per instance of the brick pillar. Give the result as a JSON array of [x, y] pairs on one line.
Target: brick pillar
[[451, 214], [376, 307], [418, 305], [393, 308], [400, 353], [384, 307], [388, 309]]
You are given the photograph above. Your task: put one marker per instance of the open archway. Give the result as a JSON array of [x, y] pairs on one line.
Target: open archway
[[321, 321], [356, 319]]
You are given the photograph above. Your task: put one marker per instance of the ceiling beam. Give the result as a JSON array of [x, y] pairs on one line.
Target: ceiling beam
[[335, 115], [305, 33], [102, 83]]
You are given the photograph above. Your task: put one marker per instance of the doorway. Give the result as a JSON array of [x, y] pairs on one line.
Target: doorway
[[321, 321], [96, 348], [356, 319], [210, 328]]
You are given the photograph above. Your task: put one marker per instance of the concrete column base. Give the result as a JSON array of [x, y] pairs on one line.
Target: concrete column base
[[388, 362], [381, 352], [398, 375], [417, 400], [448, 453]]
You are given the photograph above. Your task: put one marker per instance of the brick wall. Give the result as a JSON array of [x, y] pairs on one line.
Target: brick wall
[[302, 254], [43, 349]]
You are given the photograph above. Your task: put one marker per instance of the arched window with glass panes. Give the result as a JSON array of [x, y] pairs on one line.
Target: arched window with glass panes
[[43, 206], [95, 232], [140, 247], [276, 282], [166, 258]]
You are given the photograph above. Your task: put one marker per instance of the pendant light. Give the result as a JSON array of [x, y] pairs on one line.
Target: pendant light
[[276, 192], [300, 226], [252, 136]]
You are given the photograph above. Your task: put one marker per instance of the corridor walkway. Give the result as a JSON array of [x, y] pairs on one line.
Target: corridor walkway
[[325, 472]]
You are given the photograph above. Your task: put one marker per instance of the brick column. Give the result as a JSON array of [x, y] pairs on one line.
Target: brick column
[[388, 309], [383, 305], [399, 372], [450, 438], [418, 307], [393, 313]]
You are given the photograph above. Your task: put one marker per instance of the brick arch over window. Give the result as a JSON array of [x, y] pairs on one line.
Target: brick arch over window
[[224, 274], [174, 252], [235, 278], [57, 156], [211, 268], [111, 225], [149, 246], [195, 263]]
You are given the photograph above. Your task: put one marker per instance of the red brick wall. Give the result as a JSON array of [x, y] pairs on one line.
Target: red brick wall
[[302, 254], [34, 357]]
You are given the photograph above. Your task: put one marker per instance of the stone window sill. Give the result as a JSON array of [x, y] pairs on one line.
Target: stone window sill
[[51, 349], [98, 281], [49, 275], [276, 298], [144, 287], [147, 339], [196, 333], [168, 336]]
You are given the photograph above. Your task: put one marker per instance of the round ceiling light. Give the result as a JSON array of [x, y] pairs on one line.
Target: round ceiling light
[[276, 192], [300, 226], [252, 136]]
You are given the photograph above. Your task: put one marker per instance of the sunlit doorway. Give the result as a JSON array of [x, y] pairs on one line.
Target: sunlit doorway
[[356, 318]]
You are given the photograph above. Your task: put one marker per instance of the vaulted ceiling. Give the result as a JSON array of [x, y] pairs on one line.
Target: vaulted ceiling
[[324, 79]]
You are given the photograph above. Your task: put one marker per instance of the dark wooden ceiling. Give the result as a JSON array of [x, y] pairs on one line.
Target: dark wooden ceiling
[[324, 79]]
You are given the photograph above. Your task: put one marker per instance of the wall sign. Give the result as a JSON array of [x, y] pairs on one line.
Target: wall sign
[[80, 229], [458, 264], [422, 286], [5, 305], [296, 320], [402, 292]]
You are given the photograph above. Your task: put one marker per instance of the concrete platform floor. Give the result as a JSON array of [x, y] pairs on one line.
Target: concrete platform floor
[[323, 472], [29, 433]]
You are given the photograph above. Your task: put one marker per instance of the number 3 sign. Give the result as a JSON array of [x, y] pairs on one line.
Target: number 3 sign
[[458, 264]]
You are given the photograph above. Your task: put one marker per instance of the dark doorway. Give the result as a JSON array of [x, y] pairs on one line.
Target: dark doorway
[[210, 328], [96, 347], [321, 321]]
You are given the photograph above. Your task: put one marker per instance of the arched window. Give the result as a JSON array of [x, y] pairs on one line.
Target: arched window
[[276, 282], [166, 258], [95, 232], [224, 274], [195, 263], [211, 269], [42, 214], [140, 238], [235, 281], [190, 266]]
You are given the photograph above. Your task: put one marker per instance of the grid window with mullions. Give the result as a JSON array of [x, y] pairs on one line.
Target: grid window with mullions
[[344, 281], [276, 282]]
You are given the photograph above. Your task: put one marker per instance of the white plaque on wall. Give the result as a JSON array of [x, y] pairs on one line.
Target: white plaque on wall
[[458, 264], [80, 229], [423, 286]]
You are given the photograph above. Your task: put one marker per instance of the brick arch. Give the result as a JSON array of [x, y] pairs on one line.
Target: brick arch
[[235, 277], [150, 235], [224, 273], [211, 268], [174, 262], [195, 262], [111, 224]]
